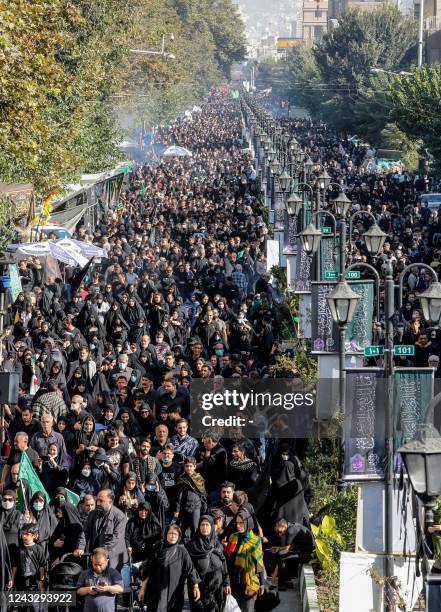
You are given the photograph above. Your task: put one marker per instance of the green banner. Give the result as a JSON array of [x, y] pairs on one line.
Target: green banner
[[413, 390], [27, 472], [329, 255], [73, 497], [325, 335], [359, 330]]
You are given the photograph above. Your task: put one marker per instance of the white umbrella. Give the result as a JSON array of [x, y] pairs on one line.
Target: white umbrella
[[71, 252], [175, 151]]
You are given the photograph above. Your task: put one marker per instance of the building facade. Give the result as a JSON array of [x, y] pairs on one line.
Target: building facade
[[315, 20]]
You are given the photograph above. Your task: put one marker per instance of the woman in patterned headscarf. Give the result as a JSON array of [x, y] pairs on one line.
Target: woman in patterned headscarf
[[245, 562]]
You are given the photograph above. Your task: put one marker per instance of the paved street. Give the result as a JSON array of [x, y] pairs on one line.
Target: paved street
[[290, 600]]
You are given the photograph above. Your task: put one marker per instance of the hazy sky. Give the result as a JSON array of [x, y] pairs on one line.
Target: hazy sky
[[269, 17]]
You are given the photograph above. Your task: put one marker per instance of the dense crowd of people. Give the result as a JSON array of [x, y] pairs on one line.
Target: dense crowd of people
[[105, 361], [412, 225], [106, 358]]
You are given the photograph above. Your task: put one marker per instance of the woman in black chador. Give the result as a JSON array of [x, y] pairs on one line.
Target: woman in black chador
[[208, 558], [165, 574], [143, 531]]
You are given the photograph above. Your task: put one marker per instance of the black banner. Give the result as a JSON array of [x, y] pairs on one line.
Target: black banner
[[325, 335], [364, 427]]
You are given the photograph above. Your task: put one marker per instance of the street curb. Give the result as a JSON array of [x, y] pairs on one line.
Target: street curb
[[308, 591]]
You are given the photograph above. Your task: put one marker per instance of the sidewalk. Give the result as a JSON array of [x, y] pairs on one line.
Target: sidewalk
[[290, 600]]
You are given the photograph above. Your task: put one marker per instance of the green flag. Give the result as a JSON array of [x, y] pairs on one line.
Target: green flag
[[142, 190], [27, 472], [73, 497]]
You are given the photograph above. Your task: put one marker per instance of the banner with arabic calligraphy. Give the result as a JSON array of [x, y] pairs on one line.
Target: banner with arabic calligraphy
[[329, 255], [303, 269], [413, 390], [325, 333], [359, 330], [364, 429]]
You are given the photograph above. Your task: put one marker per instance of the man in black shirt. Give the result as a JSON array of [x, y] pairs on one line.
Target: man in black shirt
[[176, 401], [28, 566], [290, 544], [169, 474], [116, 453], [25, 422], [213, 465]]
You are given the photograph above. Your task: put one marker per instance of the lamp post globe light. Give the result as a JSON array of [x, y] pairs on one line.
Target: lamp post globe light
[[294, 205], [275, 167], [309, 164], [310, 238], [430, 301], [342, 301], [324, 180], [342, 204], [422, 460], [284, 180], [374, 239]]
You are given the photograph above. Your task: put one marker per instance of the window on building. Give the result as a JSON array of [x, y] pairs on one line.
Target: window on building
[[318, 33], [318, 14]]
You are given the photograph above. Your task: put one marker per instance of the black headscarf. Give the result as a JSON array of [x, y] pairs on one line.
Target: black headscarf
[[167, 550], [247, 520], [71, 515], [157, 498], [87, 438], [201, 546], [148, 526], [46, 520], [9, 517]]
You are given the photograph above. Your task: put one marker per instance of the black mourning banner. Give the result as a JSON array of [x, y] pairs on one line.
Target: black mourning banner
[[364, 427]]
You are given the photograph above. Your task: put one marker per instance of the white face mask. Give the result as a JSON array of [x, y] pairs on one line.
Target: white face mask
[[38, 506], [85, 472], [7, 505], [285, 457]]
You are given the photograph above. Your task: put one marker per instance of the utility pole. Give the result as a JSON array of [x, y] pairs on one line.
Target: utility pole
[[389, 298], [421, 35]]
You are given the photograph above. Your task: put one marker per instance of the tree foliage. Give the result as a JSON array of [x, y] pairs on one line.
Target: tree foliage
[[394, 138], [334, 79], [363, 40], [306, 78], [417, 106], [372, 109], [31, 76], [66, 72]]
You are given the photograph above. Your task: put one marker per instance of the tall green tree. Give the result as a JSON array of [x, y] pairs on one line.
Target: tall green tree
[[226, 28], [306, 80], [417, 107], [65, 66], [372, 109], [32, 35], [363, 40]]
